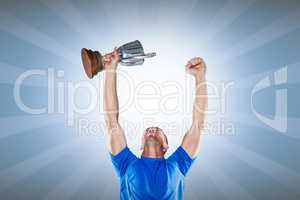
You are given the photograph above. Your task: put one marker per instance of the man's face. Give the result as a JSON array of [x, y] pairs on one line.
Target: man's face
[[154, 140]]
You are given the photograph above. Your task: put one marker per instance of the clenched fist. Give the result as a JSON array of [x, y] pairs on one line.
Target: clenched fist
[[197, 67], [111, 60]]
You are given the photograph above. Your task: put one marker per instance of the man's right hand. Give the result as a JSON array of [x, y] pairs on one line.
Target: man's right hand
[[115, 134], [111, 60]]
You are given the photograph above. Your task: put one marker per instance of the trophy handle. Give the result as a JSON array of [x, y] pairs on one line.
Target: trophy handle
[[142, 56]]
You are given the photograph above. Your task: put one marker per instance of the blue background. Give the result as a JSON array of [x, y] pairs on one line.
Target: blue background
[[242, 41]]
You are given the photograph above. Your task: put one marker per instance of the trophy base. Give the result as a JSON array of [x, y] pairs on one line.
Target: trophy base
[[92, 62]]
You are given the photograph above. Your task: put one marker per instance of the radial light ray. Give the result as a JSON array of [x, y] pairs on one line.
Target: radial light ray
[[251, 120], [168, 12], [249, 82], [231, 189], [26, 123], [282, 174], [10, 73], [269, 33], [126, 12], [69, 14], [12, 25], [28, 167], [70, 185], [232, 10]]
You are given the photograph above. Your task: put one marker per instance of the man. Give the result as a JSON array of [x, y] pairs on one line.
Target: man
[[152, 176]]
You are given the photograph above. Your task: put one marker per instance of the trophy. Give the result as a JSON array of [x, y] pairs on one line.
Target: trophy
[[131, 54]]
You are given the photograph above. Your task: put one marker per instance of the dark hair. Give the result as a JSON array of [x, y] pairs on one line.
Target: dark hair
[[166, 138]]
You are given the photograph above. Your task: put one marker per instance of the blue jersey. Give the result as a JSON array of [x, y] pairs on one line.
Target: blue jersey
[[151, 178]]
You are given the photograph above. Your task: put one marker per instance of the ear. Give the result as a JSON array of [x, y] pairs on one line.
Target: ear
[[165, 148]]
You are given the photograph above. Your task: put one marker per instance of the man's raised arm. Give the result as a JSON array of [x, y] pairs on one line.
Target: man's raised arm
[[191, 140], [115, 134]]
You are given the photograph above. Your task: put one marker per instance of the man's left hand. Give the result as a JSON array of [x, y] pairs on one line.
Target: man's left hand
[[197, 67]]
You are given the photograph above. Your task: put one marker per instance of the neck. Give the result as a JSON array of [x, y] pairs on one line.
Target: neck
[[152, 154]]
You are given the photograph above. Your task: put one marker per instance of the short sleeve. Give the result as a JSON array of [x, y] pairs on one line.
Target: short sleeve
[[181, 158], [122, 160]]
